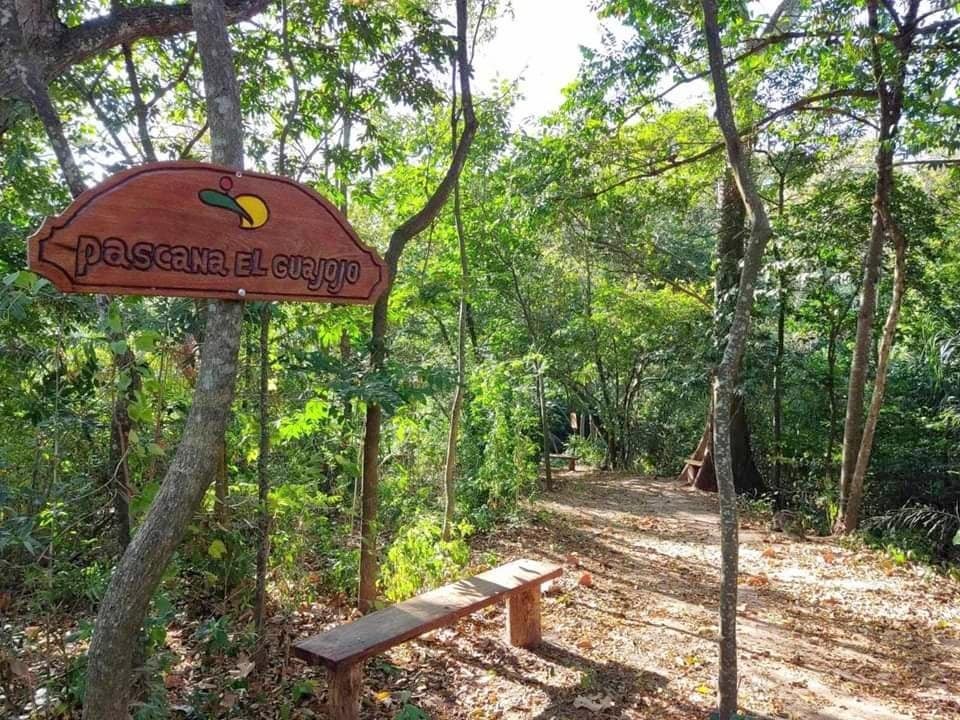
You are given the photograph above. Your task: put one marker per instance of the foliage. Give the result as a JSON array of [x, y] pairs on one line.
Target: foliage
[[419, 559]]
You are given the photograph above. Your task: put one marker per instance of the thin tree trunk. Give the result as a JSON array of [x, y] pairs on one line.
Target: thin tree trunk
[[860, 362], [890, 92], [140, 110], [456, 407], [778, 358], [831, 398], [727, 377], [777, 477], [139, 571], [118, 472], [378, 341], [545, 426], [263, 483], [119, 466], [851, 518]]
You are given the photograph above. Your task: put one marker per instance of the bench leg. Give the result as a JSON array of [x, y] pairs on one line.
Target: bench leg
[[523, 618], [571, 464], [343, 696]]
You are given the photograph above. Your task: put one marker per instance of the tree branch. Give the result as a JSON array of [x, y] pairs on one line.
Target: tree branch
[[129, 24]]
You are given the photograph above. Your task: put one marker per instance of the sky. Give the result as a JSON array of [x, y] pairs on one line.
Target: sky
[[541, 46]]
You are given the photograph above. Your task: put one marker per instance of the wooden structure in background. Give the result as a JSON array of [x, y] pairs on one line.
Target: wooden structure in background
[[570, 460]]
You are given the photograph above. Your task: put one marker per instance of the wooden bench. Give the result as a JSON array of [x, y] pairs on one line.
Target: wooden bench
[[570, 460], [344, 648]]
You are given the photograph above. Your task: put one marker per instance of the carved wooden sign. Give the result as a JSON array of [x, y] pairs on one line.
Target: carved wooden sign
[[199, 230]]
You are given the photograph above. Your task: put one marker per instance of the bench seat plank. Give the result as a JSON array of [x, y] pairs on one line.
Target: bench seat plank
[[348, 644]]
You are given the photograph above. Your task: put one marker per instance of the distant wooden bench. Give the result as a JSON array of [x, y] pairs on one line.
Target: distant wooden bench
[[344, 648], [571, 460]]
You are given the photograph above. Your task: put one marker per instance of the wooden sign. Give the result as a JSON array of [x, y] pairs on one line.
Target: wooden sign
[[199, 230]]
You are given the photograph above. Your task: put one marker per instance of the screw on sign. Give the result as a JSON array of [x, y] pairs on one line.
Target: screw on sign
[[200, 230]]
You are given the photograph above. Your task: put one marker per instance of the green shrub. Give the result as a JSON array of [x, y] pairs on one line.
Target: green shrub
[[419, 559]]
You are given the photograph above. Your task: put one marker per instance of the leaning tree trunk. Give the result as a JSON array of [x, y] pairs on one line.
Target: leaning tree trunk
[[860, 362], [727, 377], [139, 571], [118, 467], [412, 227], [856, 446], [851, 517]]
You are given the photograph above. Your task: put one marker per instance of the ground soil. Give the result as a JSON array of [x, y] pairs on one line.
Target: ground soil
[[826, 632]]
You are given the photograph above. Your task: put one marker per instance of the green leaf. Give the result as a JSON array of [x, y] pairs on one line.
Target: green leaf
[[956, 538], [146, 341], [119, 347], [411, 712], [114, 321], [217, 549]]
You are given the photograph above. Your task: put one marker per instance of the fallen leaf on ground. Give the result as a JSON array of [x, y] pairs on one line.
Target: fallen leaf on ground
[[586, 579], [598, 705]]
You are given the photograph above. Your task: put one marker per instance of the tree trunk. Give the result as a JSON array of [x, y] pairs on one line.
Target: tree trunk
[[831, 388], [119, 465], [544, 426], [118, 472], [456, 407], [890, 92], [851, 517], [412, 227], [221, 488], [860, 362], [370, 480], [746, 477], [777, 475], [263, 487], [139, 571], [730, 254], [727, 378]]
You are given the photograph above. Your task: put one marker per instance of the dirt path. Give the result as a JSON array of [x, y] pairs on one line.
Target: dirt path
[[825, 633]]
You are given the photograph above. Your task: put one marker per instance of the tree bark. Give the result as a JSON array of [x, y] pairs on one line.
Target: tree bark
[[408, 230], [221, 487], [139, 571], [777, 475], [263, 486], [851, 517], [730, 254], [727, 377], [140, 109], [456, 407], [118, 473], [890, 93], [544, 425]]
